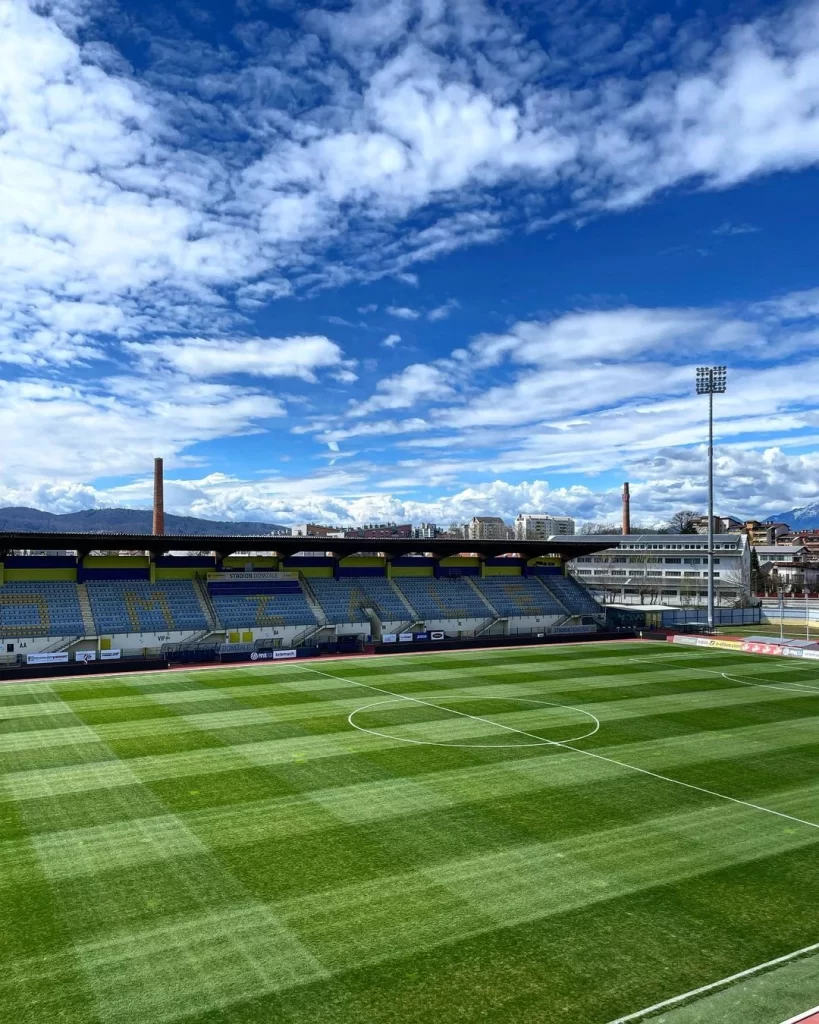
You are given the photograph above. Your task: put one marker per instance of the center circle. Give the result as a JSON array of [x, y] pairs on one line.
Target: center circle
[[534, 741]]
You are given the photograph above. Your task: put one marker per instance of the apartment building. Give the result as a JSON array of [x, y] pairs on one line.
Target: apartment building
[[488, 528], [667, 569], [534, 526]]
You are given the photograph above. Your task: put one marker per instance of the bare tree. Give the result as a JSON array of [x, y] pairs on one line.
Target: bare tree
[[683, 522], [590, 529]]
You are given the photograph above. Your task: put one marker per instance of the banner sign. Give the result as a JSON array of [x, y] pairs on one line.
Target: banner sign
[[793, 652], [420, 637], [50, 658], [754, 647], [437, 634], [811, 654], [272, 655], [724, 645], [404, 638], [684, 639], [389, 638], [85, 656], [114, 654], [249, 577]]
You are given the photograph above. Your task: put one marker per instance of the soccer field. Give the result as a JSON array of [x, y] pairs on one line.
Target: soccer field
[[575, 834]]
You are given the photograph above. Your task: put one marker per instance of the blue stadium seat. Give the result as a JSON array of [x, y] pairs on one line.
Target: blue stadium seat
[[49, 608], [519, 595], [572, 594], [343, 600], [135, 606], [242, 611], [447, 598]]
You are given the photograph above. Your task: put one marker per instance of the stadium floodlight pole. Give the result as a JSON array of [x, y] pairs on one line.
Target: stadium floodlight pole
[[711, 380]]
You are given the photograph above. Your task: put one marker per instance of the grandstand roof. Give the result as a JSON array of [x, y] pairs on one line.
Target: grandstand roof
[[83, 543]]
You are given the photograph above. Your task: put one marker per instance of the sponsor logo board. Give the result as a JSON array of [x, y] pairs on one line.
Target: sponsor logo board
[[691, 641], [389, 638], [754, 647], [249, 577], [272, 655], [437, 634], [114, 654], [405, 638], [49, 658], [421, 636], [85, 656]]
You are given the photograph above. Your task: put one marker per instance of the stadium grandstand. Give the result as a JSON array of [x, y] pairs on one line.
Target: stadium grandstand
[[284, 596]]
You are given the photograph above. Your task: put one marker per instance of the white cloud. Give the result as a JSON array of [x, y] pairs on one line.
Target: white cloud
[[258, 357], [370, 308], [729, 228], [403, 390], [391, 340], [443, 311], [403, 312]]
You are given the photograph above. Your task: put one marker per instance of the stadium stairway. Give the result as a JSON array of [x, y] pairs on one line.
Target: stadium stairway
[[85, 608], [483, 598], [208, 607], [311, 600]]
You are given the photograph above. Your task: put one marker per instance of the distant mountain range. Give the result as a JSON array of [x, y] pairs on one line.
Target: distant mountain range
[[123, 520], [805, 518]]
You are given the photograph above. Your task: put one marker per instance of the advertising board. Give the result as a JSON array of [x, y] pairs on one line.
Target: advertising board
[[420, 637], [405, 638], [49, 658], [85, 656], [389, 638], [272, 655], [249, 577], [437, 634], [754, 647], [114, 654], [690, 641]]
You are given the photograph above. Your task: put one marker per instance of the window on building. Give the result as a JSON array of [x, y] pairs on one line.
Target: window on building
[[668, 593], [673, 574], [673, 561], [691, 575], [691, 561], [637, 572], [654, 572]]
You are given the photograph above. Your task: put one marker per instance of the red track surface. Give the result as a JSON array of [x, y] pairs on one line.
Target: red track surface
[[813, 1018]]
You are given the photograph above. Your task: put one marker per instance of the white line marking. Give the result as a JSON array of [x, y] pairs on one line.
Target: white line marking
[[802, 1016], [484, 746], [641, 1014], [577, 750], [768, 684]]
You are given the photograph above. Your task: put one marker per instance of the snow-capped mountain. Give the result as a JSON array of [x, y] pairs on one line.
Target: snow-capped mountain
[[805, 518]]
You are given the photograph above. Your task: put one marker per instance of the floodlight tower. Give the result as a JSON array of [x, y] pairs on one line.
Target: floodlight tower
[[711, 380]]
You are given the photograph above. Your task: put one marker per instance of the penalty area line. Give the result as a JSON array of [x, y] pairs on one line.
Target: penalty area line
[[714, 985]]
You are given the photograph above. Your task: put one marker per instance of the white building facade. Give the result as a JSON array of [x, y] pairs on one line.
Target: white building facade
[[667, 569], [487, 528], [539, 526]]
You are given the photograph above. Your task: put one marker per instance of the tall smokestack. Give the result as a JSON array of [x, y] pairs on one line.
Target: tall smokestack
[[626, 509], [159, 499]]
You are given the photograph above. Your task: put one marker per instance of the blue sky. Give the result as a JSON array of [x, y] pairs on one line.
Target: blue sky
[[410, 259]]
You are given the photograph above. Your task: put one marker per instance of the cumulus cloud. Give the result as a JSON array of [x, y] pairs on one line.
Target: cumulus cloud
[[403, 312], [257, 357], [391, 340], [443, 311]]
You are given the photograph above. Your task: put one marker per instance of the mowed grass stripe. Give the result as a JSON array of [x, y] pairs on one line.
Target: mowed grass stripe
[[136, 975], [358, 856]]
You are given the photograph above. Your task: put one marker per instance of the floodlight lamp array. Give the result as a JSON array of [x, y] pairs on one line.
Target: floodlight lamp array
[[711, 380]]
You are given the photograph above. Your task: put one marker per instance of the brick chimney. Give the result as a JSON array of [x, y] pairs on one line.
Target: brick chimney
[[159, 499], [626, 510]]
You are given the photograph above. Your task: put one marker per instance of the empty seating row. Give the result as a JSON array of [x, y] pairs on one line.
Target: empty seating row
[[343, 600], [575, 597], [447, 598], [521, 595], [241, 611], [134, 606], [50, 608]]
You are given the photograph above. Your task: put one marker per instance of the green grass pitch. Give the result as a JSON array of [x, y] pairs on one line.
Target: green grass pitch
[[566, 835]]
